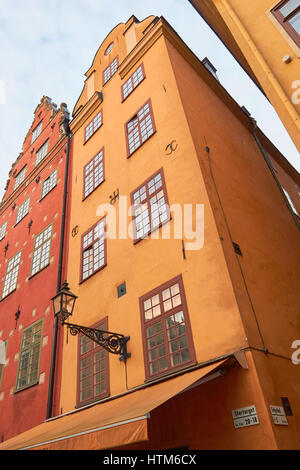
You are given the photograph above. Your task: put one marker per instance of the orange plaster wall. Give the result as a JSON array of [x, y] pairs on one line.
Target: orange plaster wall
[[201, 418], [279, 377], [259, 221], [255, 211]]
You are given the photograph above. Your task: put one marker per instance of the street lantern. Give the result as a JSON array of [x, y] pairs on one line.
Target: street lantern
[[63, 306], [64, 303]]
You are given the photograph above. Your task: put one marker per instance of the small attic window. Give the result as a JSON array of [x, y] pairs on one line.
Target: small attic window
[[109, 48]]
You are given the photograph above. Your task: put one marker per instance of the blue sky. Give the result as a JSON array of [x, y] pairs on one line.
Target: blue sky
[[47, 46]]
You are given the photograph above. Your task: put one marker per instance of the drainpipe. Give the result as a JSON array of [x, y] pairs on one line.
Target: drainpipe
[[59, 276], [268, 162]]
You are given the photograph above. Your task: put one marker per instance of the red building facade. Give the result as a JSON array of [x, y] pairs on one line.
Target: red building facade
[[32, 225]]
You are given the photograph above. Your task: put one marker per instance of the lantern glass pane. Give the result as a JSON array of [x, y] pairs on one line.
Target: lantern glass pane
[[56, 304], [67, 303]]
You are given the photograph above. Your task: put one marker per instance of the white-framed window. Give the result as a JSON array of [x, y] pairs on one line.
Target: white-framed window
[[93, 249], [49, 183], [94, 173], [140, 127], [23, 210], [3, 230], [110, 70], [41, 153], [150, 206], [30, 353], [133, 81], [11, 276], [41, 252], [20, 177], [93, 125], [36, 132]]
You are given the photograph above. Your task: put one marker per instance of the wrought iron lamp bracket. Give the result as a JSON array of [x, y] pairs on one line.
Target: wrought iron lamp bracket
[[114, 343]]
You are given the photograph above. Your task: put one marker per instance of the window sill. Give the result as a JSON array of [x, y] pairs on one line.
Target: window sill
[[89, 277], [36, 165], [42, 198], [90, 402], [107, 81], [95, 189], [38, 272], [25, 387], [3, 298], [17, 223], [148, 235]]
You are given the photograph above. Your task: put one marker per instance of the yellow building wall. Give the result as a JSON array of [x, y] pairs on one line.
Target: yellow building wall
[[216, 325]]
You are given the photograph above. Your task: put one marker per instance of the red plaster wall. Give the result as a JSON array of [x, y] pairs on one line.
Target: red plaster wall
[[26, 408]]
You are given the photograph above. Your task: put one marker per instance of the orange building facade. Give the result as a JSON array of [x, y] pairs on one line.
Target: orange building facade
[[184, 236], [31, 223], [264, 37]]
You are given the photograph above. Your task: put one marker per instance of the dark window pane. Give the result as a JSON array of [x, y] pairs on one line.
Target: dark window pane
[[185, 355]]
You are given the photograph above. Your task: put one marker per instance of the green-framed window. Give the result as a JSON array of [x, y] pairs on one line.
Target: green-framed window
[[30, 354]]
